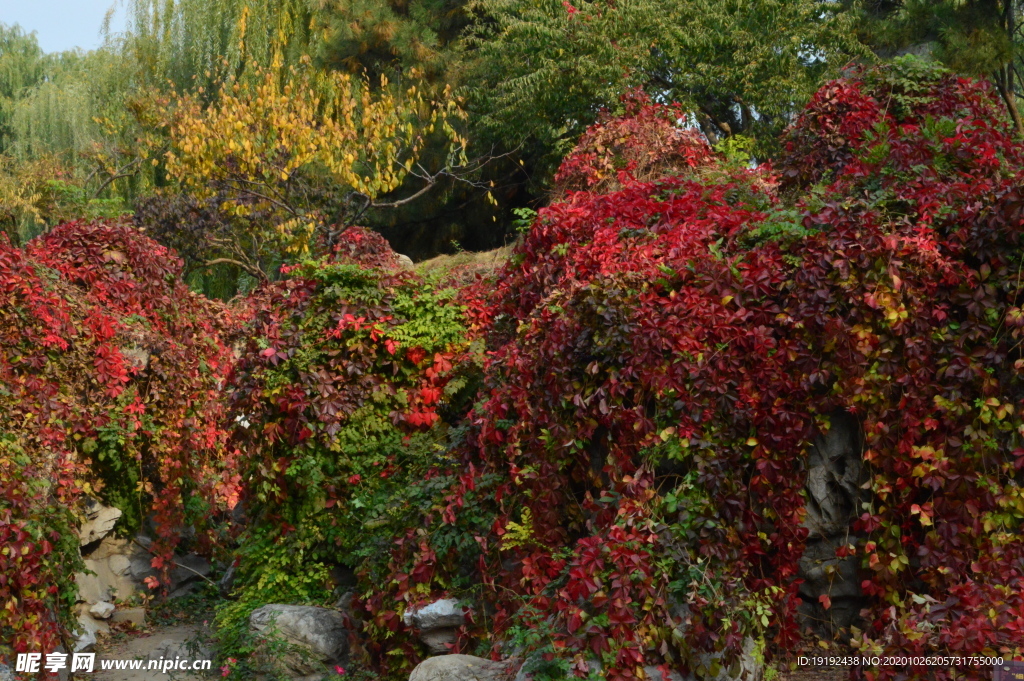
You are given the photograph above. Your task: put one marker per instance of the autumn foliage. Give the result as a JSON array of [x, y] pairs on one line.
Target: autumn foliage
[[603, 448], [109, 376], [661, 357]]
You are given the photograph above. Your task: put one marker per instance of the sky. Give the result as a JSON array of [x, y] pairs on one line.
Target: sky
[[62, 24]]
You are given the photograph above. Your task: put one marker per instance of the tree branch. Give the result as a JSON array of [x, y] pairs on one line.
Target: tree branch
[[117, 175]]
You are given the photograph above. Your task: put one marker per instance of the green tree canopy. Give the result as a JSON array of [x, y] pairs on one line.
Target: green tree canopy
[[22, 65], [537, 72], [972, 37], [385, 37]]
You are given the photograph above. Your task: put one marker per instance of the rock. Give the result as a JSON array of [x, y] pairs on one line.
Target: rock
[[138, 357], [405, 262], [186, 576], [91, 588], [86, 641], [834, 476], [139, 567], [110, 579], [227, 581], [102, 610], [99, 522], [835, 473], [189, 568], [462, 668], [5, 673], [440, 614], [318, 633], [438, 623], [655, 674], [748, 667], [118, 568], [136, 616], [344, 603]]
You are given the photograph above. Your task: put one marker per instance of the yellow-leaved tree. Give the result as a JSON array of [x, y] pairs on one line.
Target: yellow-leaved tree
[[287, 157]]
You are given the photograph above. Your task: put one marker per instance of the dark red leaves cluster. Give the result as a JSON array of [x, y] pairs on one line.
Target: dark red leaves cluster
[[690, 336], [97, 335]]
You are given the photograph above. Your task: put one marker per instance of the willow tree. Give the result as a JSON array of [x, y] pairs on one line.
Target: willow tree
[[22, 65], [200, 43]]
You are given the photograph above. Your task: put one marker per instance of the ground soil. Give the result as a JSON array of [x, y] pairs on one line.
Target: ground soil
[[142, 646]]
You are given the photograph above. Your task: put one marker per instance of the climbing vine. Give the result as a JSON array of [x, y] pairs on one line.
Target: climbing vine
[[662, 356], [109, 371]]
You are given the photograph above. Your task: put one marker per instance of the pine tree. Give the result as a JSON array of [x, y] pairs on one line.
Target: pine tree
[[972, 37], [388, 36]]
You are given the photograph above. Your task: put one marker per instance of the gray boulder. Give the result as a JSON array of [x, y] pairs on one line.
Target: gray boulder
[[317, 637], [835, 473], [462, 668], [88, 629], [102, 610], [99, 522], [438, 623]]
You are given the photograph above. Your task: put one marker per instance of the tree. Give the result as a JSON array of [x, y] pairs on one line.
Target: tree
[[201, 43], [972, 37], [389, 38], [537, 73], [295, 155], [22, 65]]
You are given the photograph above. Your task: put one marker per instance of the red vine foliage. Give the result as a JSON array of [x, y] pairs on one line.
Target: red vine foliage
[[109, 372], [662, 355], [646, 142]]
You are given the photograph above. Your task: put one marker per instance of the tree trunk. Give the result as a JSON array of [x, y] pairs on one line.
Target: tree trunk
[[1004, 78], [1005, 87]]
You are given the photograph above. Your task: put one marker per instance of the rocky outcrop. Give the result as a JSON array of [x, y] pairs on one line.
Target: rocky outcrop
[[116, 569], [835, 473], [463, 668], [99, 522], [102, 610], [437, 623], [88, 629], [316, 638]]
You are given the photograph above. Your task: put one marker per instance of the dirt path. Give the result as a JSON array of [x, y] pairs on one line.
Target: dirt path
[[164, 642]]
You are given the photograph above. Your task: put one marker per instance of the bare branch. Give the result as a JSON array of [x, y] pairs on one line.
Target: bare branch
[[117, 175]]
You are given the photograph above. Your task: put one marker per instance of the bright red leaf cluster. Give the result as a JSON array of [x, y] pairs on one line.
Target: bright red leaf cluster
[[109, 376], [663, 355], [645, 143]]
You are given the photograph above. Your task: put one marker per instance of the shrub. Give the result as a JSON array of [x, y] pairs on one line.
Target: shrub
[[661, 357], [349, 368], [646, 143], [109, 370]]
